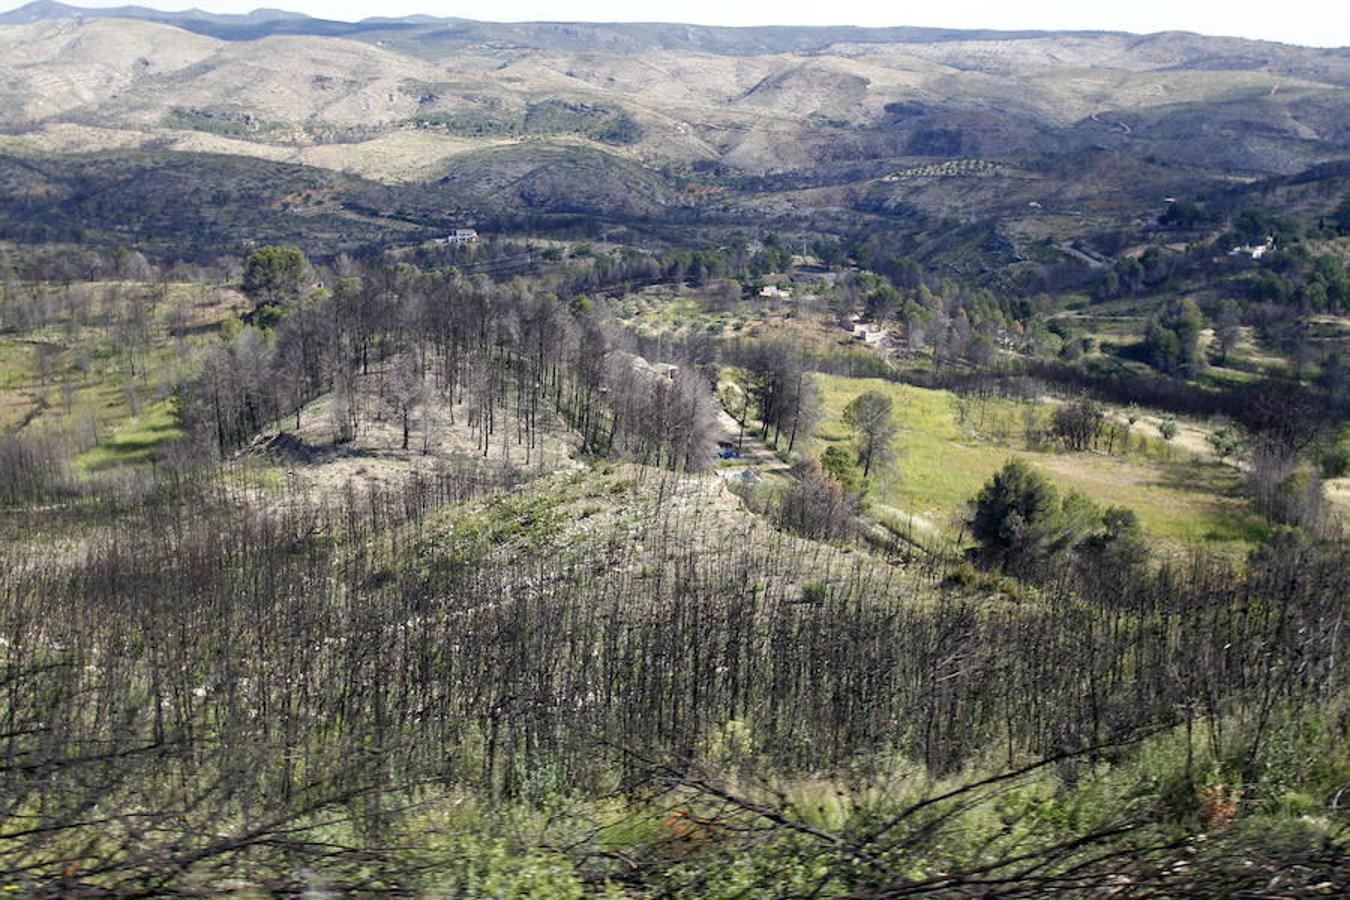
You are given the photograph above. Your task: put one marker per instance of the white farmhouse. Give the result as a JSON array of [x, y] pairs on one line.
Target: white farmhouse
[[459, 236], [1255, 251]]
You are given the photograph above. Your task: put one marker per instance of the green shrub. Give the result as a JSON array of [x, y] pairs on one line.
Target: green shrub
[[815, 592]]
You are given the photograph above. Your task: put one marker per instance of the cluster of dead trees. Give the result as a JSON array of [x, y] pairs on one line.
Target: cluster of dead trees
[[1081, 424], [224, 672], [502, 356], [817, 504], [203, 678], [778, 389]]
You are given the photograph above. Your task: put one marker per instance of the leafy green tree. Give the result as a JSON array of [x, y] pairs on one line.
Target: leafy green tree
[[881, 302], [1333, 458], [1021, 522], [1183, 214], [1129, 273], [1172, 339], [1271, 288], [871, 415], [1116, 552], [1162, 347], [840, 465], [1108, 286], [273, 275], [1225, 439], [1255, 225], [1155, 265], [1315, 296], [775, 257]]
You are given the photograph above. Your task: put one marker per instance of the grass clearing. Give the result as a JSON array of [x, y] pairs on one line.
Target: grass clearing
[[133, 441], [943, 464]]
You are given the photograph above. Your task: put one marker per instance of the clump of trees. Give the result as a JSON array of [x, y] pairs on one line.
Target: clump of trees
[[1023, 525], [1172, 338], [776, 382], [1293, 277], [1184, 214], [1252, 226], [206, 686], [36, 469], [286, 678], [1137, 274], [274, 275], [505, 357], [1282, 433], [1079, 425]]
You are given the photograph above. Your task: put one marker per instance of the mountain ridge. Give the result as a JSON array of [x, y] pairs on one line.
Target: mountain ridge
[[636, 119], [262, 21]]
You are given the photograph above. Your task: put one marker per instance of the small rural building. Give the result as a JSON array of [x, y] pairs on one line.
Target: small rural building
[[459, 236], [1254, 251], [869, 334], [647, 369]]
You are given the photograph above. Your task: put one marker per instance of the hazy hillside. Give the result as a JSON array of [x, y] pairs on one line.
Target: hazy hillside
[[632, 120]]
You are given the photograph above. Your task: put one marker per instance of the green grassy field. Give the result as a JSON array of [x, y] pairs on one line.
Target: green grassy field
[[134, 439], [942, 464]]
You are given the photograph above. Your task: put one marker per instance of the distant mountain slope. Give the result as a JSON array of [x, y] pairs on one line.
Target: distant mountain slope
[[637, 119], [629, 37], [245, 26], [618, 36]]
